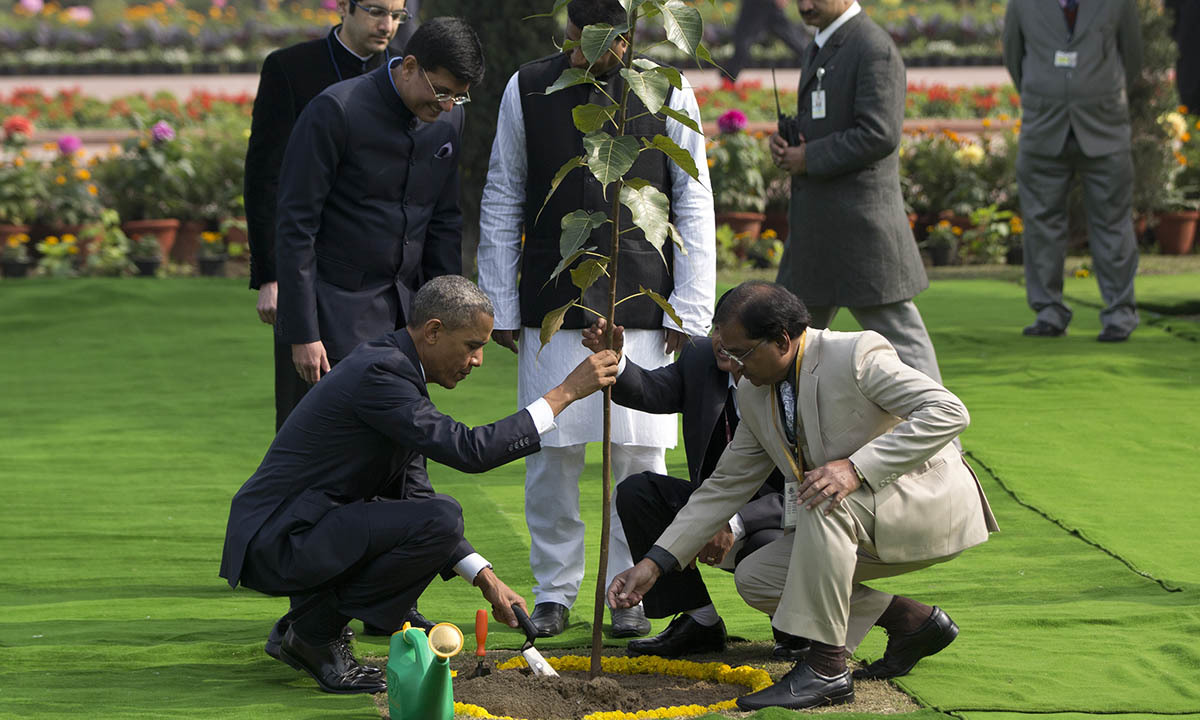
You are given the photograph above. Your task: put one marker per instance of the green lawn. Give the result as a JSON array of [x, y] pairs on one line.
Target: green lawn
[[132, 410]]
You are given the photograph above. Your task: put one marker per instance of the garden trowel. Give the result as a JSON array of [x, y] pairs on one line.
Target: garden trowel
[[537, 663]]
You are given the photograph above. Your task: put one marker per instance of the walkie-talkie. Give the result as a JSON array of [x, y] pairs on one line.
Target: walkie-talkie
[[789, 125]]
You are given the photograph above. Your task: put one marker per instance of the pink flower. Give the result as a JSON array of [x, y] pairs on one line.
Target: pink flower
[[81, 14], [33, 6], [219, 4], [69, 144], [732, 121], [162, 132], [329, 5]]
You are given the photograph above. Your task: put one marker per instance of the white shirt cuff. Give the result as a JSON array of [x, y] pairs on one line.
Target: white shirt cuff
[[543, 416], [737, 528], [469, 567], [621, 365]]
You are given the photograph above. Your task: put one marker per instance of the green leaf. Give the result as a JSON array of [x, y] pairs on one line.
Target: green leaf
[[652, 88], [672, 75], [678, 155], [566, 262], [552, 322], [558, 5], [683, 24], [597, 39], [567, 167], [591, 117], [576, 229], [681, 118], [677, 238], [570, 78], [609, 157], [659, 300], [650, 210], [588, 272]]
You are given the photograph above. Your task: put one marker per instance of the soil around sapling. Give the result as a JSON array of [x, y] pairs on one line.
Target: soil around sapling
[[514, 694]]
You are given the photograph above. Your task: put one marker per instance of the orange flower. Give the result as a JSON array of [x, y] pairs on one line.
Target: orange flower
[[92, 189], [1182, 109], [60, 180], [82, 174]]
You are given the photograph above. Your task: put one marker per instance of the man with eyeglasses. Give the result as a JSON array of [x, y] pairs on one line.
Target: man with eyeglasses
[[368, 200], [291, 77], [701, 385], [874, 488], [519, 248]]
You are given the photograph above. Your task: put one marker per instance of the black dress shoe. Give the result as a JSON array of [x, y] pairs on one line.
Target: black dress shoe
[[413, 618], [332, 665], [904, 651], [1111, 334], [801, 688], [684, 636], [789, 647], [275, 637], [1041, 328], [629, 622], [550, 618]]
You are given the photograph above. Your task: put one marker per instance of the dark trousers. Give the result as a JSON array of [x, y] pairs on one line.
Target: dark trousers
[[289, 386], [408, 543], [647, 503], [757, 17]]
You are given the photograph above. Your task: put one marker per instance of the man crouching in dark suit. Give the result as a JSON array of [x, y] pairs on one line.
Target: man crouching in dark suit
[[341, 516], [702, 385]]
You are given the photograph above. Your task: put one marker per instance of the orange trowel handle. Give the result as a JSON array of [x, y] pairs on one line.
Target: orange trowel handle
[[481, 623]]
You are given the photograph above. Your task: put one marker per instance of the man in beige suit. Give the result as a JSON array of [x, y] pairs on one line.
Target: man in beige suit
[[880, 490]]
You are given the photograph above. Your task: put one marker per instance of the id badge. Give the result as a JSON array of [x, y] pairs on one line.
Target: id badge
[[818, 104], [791, 496], [1064, 59]]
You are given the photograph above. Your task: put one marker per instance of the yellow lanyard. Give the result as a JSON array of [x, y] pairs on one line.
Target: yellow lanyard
[[796, 458]]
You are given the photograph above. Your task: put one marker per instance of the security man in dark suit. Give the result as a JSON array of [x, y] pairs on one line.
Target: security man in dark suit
[[702, 385], [341, 515], [291, 77]]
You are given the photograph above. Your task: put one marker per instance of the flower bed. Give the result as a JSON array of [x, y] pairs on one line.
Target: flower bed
[[71, 109]]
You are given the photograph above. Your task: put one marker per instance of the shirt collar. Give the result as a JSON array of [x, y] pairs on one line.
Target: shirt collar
[[824, 35], [338, 37]]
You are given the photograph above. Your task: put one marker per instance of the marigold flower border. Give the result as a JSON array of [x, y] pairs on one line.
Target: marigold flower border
[[751, 677]]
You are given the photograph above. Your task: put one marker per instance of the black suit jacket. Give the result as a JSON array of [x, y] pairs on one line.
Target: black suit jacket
[[695, 386], [368, 211], [363, 431]]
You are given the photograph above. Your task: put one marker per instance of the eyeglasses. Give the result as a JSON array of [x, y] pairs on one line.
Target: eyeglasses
[[741, 359], [441, 97], [377, 13]]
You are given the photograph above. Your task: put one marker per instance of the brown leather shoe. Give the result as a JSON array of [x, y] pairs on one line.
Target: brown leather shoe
[[332, 665]]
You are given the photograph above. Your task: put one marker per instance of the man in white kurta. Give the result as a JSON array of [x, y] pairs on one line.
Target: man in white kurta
[[639, 439]]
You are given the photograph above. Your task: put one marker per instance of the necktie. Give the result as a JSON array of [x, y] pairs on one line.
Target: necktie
[[787, 400], [1070, 10]]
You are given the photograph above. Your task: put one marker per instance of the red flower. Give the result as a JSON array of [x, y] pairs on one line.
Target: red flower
[[18, 125]]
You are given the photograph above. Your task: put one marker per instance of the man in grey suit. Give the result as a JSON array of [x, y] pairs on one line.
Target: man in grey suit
[[1072, 62], [877, 489], [850, 243]]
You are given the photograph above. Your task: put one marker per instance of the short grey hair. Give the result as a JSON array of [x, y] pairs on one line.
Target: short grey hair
[[453, 299]]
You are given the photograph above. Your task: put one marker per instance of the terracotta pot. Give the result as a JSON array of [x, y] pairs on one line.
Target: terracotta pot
[[6, 230], [164, 230], [187, 240], [1176, 232], [749, 223]]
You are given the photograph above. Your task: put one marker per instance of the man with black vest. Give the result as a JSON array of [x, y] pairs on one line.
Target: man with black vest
[[519, 178], [702, 385], [291, 78]]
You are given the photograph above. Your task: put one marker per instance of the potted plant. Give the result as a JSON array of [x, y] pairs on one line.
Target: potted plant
[[1179, 203], [147, 181], [212, 254], [944, 173], [735, 161], [941, 242], [21, 189], [147, 254], [71, 194], [58, 255], [213, 193], [14, 255], [110, 249], [985, 242]]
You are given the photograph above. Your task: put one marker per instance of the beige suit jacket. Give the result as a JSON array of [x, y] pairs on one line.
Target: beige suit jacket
[[858, 401]]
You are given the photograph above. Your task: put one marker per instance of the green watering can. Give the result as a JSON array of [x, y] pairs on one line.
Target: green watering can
[[418, 672]]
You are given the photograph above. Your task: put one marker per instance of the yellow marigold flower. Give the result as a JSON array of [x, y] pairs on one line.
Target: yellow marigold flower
[[13, 241], [19, 162], [710, 162], [143, 143], [69, 239], [1182, 109], [210, 237], [770, 234], [1186, 136], [1004, 117], [1082, 273], [83, 174], [51, 240], [943, 224], [114, 148], [1016, 225], [49, 146], [956, 230], [80, 152], [60, 180], [92, 189], [987, 122]]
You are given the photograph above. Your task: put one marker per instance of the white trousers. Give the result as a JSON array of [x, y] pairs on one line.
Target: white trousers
[[556, 531]]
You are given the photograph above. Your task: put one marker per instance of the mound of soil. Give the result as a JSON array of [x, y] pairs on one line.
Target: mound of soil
[[512, 692]]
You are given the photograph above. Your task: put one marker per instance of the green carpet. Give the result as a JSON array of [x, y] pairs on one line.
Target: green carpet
[[131, 411]]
